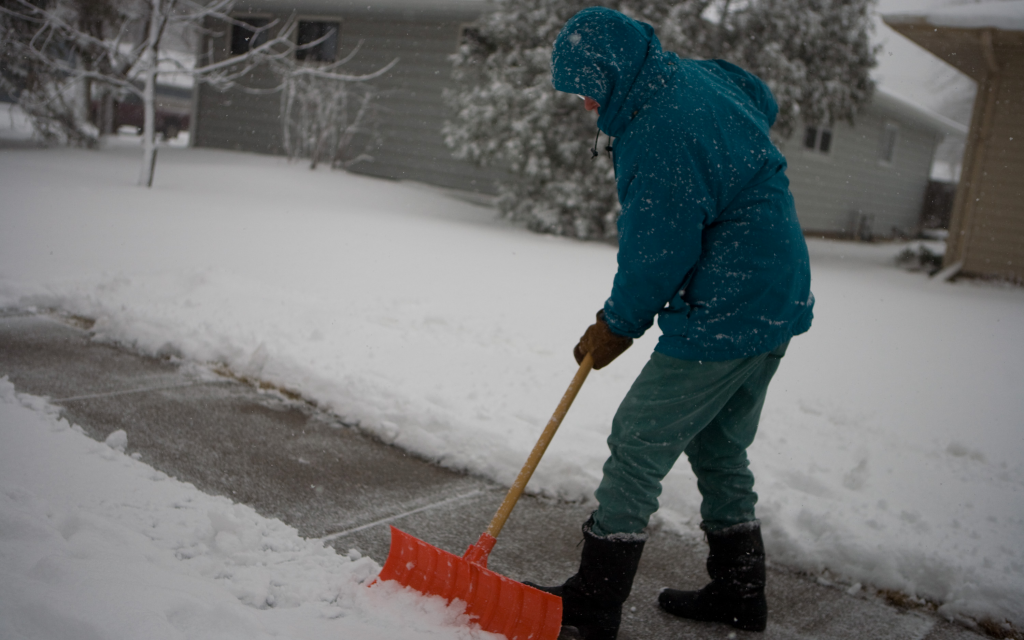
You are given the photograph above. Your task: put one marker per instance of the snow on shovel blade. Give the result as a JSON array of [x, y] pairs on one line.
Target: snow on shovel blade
[[498, 604]]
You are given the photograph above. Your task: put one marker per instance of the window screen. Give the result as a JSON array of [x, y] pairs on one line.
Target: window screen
[[243, 32], [311, 31]]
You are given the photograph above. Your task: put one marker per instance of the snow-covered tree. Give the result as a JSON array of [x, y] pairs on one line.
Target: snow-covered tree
[[507, 114], [55, 53], [815, 55], [329, 115], [58, 102]]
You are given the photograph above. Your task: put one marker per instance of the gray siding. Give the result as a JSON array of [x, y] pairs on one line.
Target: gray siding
[[414, 148], [832, 191], [238, 120], [410, 94]]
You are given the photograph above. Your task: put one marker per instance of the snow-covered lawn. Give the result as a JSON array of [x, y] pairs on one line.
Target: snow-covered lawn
[[891, 451]]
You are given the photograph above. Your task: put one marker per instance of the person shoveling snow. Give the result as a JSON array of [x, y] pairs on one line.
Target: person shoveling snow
[[709, 243]]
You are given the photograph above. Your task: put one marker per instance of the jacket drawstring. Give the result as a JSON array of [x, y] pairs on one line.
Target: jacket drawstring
[[608, 147]]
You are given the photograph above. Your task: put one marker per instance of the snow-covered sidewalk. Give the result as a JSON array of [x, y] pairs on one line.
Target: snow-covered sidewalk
[[94, 544], [890, 448]]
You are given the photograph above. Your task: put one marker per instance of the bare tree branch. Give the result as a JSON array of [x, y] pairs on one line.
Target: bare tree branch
[[327, 75], [68, 57]]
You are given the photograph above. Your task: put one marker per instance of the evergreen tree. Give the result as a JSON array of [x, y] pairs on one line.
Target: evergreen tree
[[815, 55], [508, 114]]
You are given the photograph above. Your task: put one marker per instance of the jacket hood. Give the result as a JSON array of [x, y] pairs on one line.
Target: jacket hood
[[601, 54], [756, 90], [618, 61]]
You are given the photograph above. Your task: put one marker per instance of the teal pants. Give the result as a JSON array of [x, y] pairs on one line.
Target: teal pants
[[710, 411]]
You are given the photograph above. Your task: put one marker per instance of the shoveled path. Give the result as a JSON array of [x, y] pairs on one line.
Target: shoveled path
[[290, 461]]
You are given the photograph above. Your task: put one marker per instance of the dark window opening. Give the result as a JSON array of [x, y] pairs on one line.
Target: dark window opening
[[324, 51], [473, 39], [826, 141], [818, 139], [471, 36], [242, 35], [810, 137]]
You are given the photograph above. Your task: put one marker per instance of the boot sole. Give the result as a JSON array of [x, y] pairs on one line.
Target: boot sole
[[752, 623]]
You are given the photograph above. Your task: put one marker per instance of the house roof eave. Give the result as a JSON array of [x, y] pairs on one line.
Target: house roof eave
[[887, 99], [968, 37], [1003, 15]]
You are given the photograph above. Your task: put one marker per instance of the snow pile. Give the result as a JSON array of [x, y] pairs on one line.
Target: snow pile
[[94, 544], [890, 450]]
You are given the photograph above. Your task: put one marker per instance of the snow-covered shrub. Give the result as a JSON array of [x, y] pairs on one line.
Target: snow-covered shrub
[[815, 55], [922, 256], [328, 119]]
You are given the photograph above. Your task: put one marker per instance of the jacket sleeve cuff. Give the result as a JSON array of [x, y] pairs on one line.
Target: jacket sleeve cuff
[[619, 326]]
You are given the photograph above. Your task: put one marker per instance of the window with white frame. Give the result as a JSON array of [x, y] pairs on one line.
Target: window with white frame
[[818, 139], [887, 150], [324, 34]]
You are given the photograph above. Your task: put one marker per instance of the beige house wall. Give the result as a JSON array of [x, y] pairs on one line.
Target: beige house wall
[[990, 216], [987, 226]]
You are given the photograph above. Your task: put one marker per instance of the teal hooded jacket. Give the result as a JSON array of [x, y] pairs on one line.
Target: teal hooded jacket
[[709, 240]]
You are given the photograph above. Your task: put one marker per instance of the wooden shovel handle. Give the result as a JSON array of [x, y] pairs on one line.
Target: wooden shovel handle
[[519, 485]]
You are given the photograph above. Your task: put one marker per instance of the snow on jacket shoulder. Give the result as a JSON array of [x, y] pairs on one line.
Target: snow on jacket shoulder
[[709, 240]]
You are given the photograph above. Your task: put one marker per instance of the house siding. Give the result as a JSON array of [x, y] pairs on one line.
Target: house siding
[[238, 120], [994, 244], [987, 223], [410, 93], [832, 191]]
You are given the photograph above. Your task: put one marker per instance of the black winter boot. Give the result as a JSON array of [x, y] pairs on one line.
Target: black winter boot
[[592, 599], [736, 592]]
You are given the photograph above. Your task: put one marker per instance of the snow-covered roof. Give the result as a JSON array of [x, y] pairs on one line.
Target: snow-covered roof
[[886, 98], [1007, 15]]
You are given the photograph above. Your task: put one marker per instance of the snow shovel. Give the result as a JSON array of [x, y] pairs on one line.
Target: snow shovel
[[498, 604]]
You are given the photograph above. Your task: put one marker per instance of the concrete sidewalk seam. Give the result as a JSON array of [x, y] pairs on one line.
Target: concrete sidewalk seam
[[110, 394], [399, 516]]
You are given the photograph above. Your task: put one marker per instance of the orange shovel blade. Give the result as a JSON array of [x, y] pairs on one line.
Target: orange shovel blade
[[498, 604]]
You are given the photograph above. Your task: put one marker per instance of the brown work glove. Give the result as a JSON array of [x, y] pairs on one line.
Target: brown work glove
[[599, 341]]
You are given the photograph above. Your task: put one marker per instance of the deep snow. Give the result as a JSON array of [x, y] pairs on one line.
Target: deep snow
[[890, 451]]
